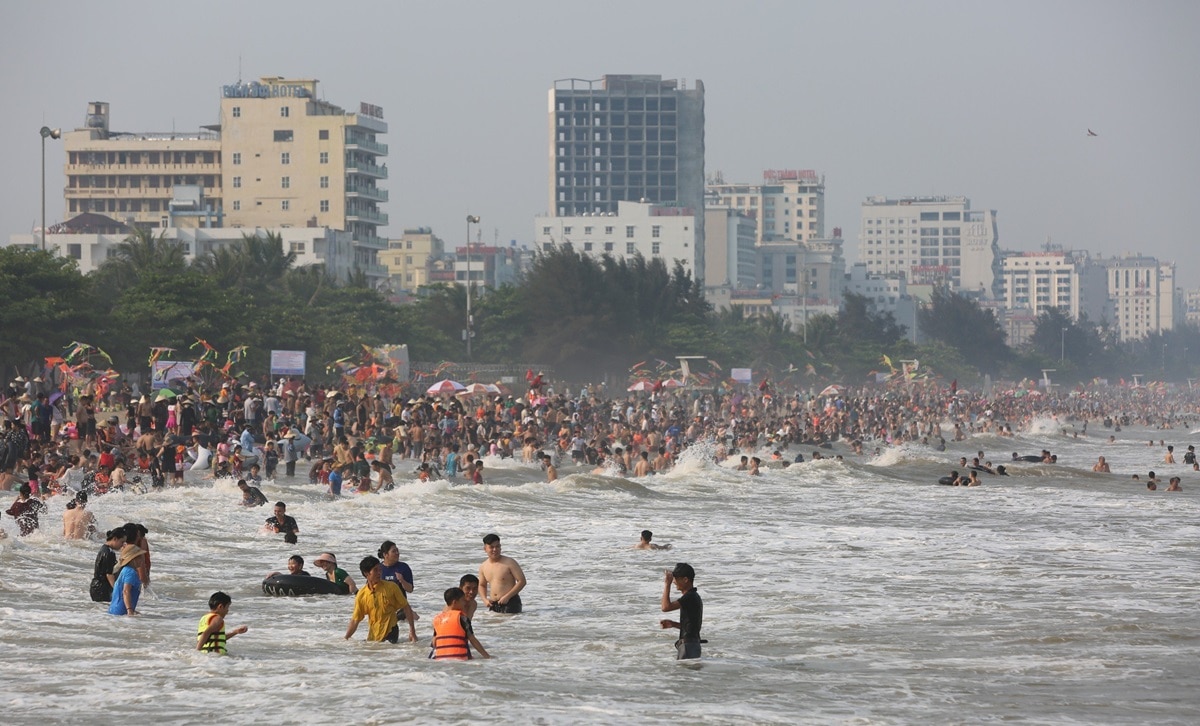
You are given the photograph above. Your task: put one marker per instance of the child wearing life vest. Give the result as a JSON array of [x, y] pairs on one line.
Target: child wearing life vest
[[452, 633], [210, 634]]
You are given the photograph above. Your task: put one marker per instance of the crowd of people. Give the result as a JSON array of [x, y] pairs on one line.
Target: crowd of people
[[352, 439]]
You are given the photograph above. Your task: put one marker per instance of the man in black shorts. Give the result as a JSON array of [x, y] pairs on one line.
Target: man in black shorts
[[690, 607]]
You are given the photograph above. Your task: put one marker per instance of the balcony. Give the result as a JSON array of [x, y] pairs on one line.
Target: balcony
[[372, 241], [357, 142], [363, 191], [366, 215], [362, 167]]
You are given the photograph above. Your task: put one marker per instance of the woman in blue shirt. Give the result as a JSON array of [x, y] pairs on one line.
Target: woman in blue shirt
[[128, 586]]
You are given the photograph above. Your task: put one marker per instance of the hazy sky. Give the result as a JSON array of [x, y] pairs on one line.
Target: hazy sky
[[988, 100]]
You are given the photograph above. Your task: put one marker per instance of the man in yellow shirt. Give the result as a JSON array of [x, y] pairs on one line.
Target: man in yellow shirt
[[380, 601]]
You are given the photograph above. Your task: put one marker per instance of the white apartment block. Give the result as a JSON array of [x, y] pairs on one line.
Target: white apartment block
[[932, 241], [654, 231], [1034, 282], [330, 248], [788, 205], [1141, 296]]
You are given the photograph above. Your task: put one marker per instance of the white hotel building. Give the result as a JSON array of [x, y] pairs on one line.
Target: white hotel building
[[652, 230], [932, 241]]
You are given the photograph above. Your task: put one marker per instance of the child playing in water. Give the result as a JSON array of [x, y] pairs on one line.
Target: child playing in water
[[210, 634]]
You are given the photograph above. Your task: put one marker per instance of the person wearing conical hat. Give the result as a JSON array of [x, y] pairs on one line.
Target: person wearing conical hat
[[127, 588]]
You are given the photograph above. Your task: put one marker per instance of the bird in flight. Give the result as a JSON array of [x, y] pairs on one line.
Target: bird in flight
[[1092, 133]]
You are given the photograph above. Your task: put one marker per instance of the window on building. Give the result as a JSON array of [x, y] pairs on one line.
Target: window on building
[[237, 182], [630, 248], [324, 205], [75, 251], [297, 247], [655, 248], [283, 134], [285, 182], [566, 230], [284, 111], [285, 205], [237, 111], [324, 182], [929, 216], [323, 134], [237, 157], [587, 230], [237, 205], [285, 158], [656, 231], [608, 230], [324, 159], [629, 232], [608, 246], [587, 246], [545, 230]]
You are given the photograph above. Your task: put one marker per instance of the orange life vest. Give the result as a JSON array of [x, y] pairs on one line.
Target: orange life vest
[[449, 637]]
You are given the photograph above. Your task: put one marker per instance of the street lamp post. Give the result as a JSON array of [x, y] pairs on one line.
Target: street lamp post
[[1062, 346], [471, 219], [47, 133]]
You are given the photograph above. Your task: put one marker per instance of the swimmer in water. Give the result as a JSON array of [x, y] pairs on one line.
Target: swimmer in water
[[645, 544]]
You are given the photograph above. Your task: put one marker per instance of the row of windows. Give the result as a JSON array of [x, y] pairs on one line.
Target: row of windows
[[284, 182], [284, 205], [667, 120], [152, 181], [112, 158], [925, 217], [666, 103], [285, 158]]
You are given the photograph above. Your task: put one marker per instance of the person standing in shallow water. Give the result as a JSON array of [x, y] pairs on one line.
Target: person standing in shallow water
[[690, 607]]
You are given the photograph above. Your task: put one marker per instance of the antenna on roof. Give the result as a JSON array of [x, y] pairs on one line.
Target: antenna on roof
[[239, 68]]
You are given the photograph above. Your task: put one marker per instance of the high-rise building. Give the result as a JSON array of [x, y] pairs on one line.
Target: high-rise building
[[932, 241], [789, 204], [1141, 295], [279, 157], [1067, 280], [626, 138]]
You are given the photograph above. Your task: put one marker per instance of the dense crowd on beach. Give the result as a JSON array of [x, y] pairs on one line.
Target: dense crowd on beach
[[352, 440]]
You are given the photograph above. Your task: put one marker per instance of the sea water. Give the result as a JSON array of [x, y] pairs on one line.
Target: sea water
[[855, 591]]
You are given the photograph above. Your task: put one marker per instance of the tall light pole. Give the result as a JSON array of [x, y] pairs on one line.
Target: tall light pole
[[471, 219], [1062, 346], [47, 133]]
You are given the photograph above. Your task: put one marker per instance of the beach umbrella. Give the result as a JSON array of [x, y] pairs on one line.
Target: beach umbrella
[[672, 383], [444, 386], [641, 386], [474, 389], [831, 391], [164, 394], [494, 389]]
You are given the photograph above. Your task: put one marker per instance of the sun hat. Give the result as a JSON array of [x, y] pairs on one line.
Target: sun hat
[[325, 557], [129, 553]]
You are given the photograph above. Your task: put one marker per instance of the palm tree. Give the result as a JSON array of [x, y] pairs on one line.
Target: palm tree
[[139, 255]]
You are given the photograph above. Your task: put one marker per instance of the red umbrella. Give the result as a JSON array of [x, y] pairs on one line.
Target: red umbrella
[[641, 386], [444, 386]]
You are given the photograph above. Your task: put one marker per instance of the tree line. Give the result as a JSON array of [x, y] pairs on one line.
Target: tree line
[[589, 318]]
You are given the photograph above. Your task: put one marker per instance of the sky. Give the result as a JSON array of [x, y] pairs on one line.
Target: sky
[[989, 100]]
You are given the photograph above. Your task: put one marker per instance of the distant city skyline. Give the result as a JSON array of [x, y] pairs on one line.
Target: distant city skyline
[[991, 102]]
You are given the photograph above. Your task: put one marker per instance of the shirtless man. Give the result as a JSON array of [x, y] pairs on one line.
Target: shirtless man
[[551, 475], [642, 467], [1102, 466], [645, 544], [500, 578], [78, 523]]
